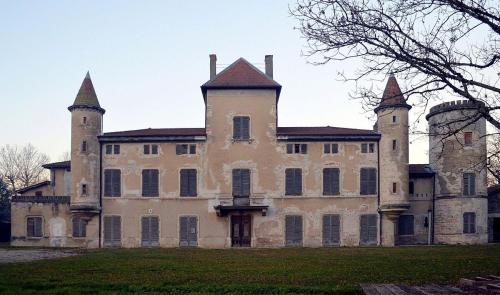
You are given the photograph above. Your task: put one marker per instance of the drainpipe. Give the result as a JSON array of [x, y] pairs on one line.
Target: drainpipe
[[100, 191], [433, 206], [378, 194]]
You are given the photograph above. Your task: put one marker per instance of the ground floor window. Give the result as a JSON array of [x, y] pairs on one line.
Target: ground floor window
[[188, 231], [150, 231], [293, 230], [331, 230], [406, 225], [79, 227], [112, 231], [368, 229], [34, 227], [469, 222]]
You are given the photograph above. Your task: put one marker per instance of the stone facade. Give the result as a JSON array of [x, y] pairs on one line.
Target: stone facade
[[307, 186]]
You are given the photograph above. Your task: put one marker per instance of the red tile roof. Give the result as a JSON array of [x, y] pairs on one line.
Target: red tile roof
[[241, 75], [393, 96], [158, 132], [33, 186], [328, 130]]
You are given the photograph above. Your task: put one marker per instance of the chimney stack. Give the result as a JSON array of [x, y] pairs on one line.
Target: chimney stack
[[213, 66], [268, 60]]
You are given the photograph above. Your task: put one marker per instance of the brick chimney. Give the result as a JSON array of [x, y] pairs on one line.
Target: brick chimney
[[213, 66], [268, 60]]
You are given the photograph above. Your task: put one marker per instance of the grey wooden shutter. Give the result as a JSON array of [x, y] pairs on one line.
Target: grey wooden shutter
[[364, 148], [154, 182], [178, 149], [331, 184], [469, 183], [107, 183], [469, 223], [289, 148], [192, 182], [237, 128], [154, 149], [116, 183], [184, 183], [146, 149], [38, 232], [368, 229], [192, 149], [183, 231], [30, 227], [293, 230], [245, 182], [145, 183], [326, 148], [188, 234], [289, 178], [298, 181], [150, 181], [331, 230], [193, 231], [112, 231], [303, 148], [335, 148], [372, 186], [150, 231], [79, 227], [363, 182], [236, 182], [245, 128]]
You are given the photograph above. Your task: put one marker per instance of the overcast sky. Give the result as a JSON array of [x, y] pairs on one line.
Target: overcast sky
[[147, 60]]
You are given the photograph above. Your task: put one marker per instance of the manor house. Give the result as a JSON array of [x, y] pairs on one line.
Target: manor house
[[243, 181]]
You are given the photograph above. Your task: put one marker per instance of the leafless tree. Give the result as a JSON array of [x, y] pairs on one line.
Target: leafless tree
[[440, 49], [22, 166], [66, 156]]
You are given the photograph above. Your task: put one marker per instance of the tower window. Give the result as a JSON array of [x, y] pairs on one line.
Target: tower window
[[394, 187], [468, 138], [84, 120], [469, 222], [394, 144], [84, 146], [394, 119], [84, 189], [411, 188], [469, 184]]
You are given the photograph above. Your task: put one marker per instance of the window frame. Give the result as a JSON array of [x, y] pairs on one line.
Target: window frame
[[41, 227], [156, 191], [297, 148], [368, 191], [81, 225], [469, 222], [188, 194], [295, 191], [241, 183], [112, 192], [333, 193], [468, 138], [239, 134], [469, 186], [367, 147]]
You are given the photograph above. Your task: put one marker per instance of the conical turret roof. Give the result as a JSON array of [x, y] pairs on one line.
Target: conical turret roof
[[86, 97], [393, 96]]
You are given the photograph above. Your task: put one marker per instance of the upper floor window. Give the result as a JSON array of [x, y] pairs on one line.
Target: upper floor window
[[394, 187], [84, 120], [394, 144], [368, 181], [411, 189], [183, 149], [469, 222], [151, 149], [241, 182], [331, 181], [367, 148], [293, 182], [468, 138], [296, 148], [394, 119], [188, 183], [469, 184], [150, 183], [112, 182], [84, 189], [84, 146], [330, 148], [112, 149], [34, 227], [241, 127]]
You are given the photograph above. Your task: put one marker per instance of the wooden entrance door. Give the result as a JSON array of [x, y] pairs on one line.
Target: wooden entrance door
[[241, 230]]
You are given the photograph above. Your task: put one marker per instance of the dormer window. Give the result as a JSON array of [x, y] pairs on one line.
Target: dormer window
[[241, 128]]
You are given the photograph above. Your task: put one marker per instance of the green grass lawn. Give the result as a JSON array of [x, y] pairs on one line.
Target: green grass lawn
[[250, 271]]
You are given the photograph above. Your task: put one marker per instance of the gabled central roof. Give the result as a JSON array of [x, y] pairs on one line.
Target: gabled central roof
[[241, 75]]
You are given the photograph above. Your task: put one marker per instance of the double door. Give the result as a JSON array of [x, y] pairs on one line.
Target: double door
[[241, 230]]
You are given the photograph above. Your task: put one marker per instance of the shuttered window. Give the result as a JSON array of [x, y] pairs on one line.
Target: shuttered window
[[109, 149], [241, 182], [34, 228], [331, 230], [112, 182], [150, 231], [368, 181], [188, 231], [368, 230], [296, 148], [367, 148], [112, 231], [79, 227], [330, 148], [188, 183], [116, 149], [241, 127], [331, 181], [469, 184], [150, 183], [469, 222], [406, 225], [183, 149], [293, 182], [293, 230]]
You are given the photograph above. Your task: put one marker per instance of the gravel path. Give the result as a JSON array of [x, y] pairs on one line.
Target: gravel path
[[23, 255]]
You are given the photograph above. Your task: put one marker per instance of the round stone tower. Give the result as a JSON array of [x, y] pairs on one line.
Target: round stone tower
[[392, 124], [86, 125], [457, 154]]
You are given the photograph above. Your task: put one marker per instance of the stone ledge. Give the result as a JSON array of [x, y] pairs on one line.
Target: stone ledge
[[41, 199]]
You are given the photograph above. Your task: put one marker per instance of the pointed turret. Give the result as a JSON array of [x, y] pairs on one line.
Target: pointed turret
[[86, 97], [393, 96]]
